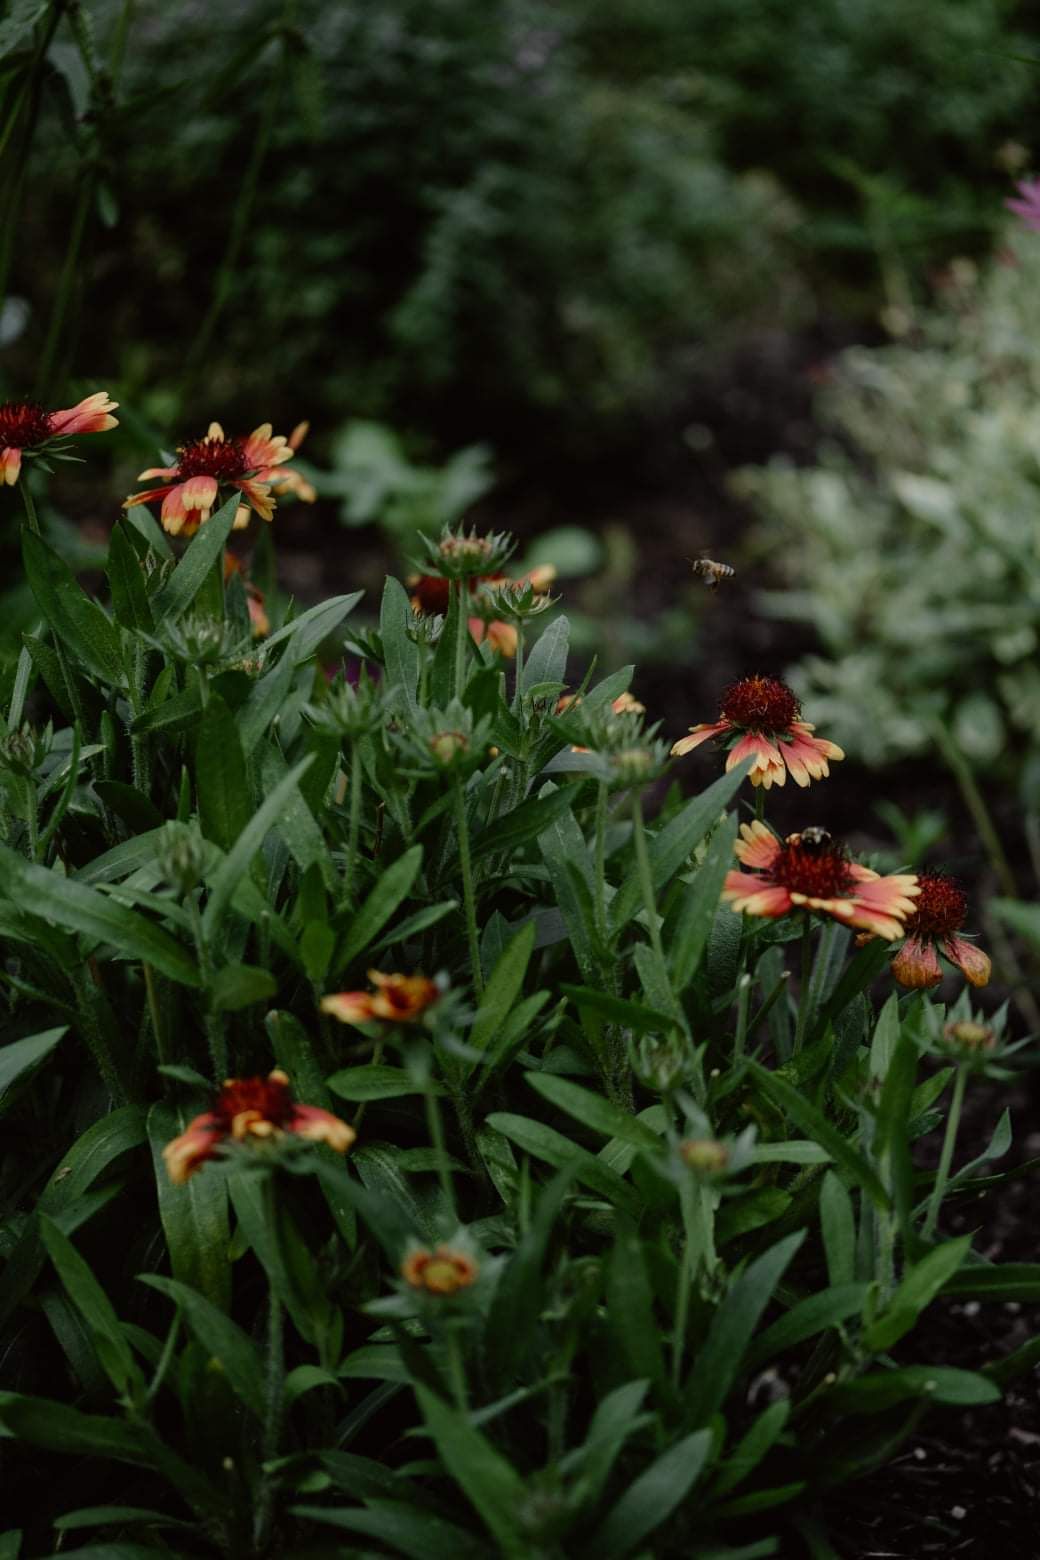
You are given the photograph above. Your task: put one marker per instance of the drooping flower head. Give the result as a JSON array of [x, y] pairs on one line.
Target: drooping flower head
[[1027, 207], [938, 915], [26, 428], [214, 467], [252, 1110], [761, 719], [812, 871], [397, 999], [443, 1271]]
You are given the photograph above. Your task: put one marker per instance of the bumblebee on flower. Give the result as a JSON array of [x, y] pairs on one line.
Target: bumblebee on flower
[[761, 719], [813, 871]]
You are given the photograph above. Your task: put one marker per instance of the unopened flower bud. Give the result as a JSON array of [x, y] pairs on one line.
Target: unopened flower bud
[[181, 856], [446, 746], [967, 1035], [706, 1156]]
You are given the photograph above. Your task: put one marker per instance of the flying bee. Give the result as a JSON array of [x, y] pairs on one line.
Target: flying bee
[[710, 571]]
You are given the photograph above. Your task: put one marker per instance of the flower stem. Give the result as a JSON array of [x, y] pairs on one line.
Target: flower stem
[[942, 1175], [805, 985], [518, 670], [601, 855], [215, 1037], [646, 882], [743, 1002], [760, 803], [461, 633], [465, 862], [354, 825], [435, 1127]]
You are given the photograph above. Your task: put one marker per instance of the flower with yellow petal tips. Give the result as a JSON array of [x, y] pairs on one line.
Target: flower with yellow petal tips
[[397, 999], [761, 719], [213, 467], [252, 1110], [443, 1271], [811, 871], [26, 428]]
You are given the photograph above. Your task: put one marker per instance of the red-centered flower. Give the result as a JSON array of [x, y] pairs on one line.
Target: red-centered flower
[[248, 1109], [761, 718], [25, 426], [1027, 207], [210, 468], [397, 999], [443, 1271], [931, 929], [811, 871]]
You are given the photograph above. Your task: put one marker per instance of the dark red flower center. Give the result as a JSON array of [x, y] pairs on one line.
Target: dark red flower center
[[23, 425], [221, 458], [940, 908], [268, 1096], [760, 704], [814, 864]]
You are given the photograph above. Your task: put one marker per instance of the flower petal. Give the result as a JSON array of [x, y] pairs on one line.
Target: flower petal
[[350, 1007], [973, 964], [197, 1143], [699, 734], [916, 965], [321, 1126], [758, 846]]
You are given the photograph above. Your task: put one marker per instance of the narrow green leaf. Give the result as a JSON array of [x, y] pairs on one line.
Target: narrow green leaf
[[79, 623], [839, 1230], [1005, 1281], [399, 650], [493, 1487], [503, 988], [24, 1056], [651, 1499], [524, 823], [594, 1111], [194, 1215], [196, 564], [305, 633], [619, 1010], [689, 937], [236, 863], [555, 1149], [126, 582], [238, 986], [376, 1082], [220, 1336], [265, 701], [918, 1288], [60, 1428], [547, 662], [630, 1307], [805, 1319], [393, 886], [515, 1309], [733, 1326], [617, 1417], [938, 1383], [415, 1532], [801, 1109], [90, 1300], [220, 775], [750, 1450]]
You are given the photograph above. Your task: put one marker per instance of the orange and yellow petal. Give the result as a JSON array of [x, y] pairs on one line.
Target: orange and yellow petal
[[758, 846], [289, 481], [166, 472], [973, 964], [802, 729], [175, 517], [199, 493], [402, 998], [698, 734], [91, 415], [321, 1126], [916, 965], [257, 496], [767, 767], [350, 1007], [298, 434], [197, 1143], [752, 895], [540, 578], [503, 638], [806, 757], [627, 704], [10, 465]]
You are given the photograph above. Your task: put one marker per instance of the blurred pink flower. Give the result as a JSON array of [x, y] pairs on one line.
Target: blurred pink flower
[[1028, 208]]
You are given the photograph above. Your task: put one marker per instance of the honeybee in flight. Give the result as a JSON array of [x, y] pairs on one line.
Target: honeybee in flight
[[710, 571]]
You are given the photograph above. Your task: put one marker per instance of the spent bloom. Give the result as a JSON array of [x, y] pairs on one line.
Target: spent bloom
[[27, 429], [397, 999], [931, 929], [252, 1110], [812, 871], [1027, 207], [443, 1271], [761, 719], [216, 466]]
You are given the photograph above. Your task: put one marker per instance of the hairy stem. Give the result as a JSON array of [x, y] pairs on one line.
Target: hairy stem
[[469, 901], [942, 1175]]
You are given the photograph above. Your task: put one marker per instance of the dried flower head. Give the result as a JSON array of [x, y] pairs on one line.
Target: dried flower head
[[931, 929], [760, 718]]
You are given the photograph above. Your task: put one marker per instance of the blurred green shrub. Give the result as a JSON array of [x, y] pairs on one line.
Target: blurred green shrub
[[913, 545]]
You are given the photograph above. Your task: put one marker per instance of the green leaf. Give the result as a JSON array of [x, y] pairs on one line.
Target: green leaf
[[265, 700], [1005, 1281], [400, 652], [493, 1487], [688, 938], [672, 846], [630, 1307], [555, 1149], [220, 774], [524, 823], [1022, 918], [594, 1111], [619, 1010], [617, 1417], [547, 662], [416, 1532], [196, 564], [305, 633], [377, 1082], [194, 1215], [515, 1309], [750, 1450], [807, 1318], [937, 1383], [392, 888], [797, 1105], [236, 863], [24, 1056], [102, 1516], [86, 1294], [237, 986], [171, 714], [839, 1230], [126, 582], [81, 909], [60, 1428], [19, 22], [566, 856], [503, 989], [918, 1288], [79, 623], [651, 1499], [733, 1326], [129, 804], [222, 1338]]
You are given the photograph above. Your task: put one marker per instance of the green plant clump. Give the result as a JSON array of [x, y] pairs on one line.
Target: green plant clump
[[405, 1152]]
